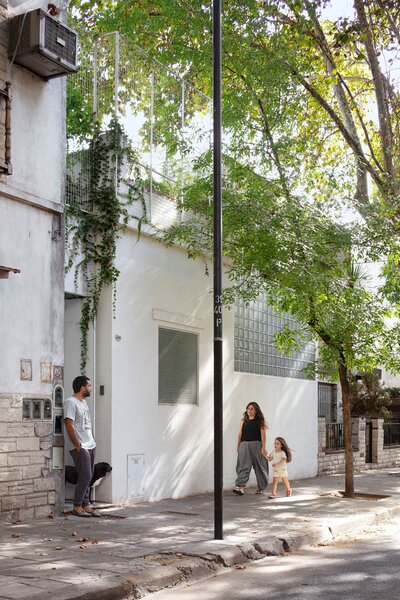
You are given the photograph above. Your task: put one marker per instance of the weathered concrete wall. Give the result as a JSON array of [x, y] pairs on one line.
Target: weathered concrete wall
[[32, 301]]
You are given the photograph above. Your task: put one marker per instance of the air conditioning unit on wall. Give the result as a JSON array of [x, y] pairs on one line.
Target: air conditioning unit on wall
[[42, 44]]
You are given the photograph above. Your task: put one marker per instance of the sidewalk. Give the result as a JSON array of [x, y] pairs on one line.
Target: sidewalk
[[139, 549]]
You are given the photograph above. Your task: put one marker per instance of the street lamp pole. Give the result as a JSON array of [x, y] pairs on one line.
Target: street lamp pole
[[218, 362]]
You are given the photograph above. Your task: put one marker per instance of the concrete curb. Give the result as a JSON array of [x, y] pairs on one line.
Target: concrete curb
[[191, 567]]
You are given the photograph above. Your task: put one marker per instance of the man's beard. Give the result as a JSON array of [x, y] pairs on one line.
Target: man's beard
[[86, 394]]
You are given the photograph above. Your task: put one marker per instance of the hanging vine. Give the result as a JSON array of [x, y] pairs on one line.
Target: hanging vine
[[94, 225]]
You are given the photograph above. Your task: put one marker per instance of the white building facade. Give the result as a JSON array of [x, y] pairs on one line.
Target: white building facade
[[151, 361], [153, 370], [31, 287]]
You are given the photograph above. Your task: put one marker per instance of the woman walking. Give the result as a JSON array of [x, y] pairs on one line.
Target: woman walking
[[251, 449]]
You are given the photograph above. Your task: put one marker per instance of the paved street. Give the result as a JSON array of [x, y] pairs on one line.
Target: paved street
[[360, 567], [136, 550]]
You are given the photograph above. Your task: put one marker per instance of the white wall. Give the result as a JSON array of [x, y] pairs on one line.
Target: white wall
[[37, 127], [31, 302], [177, 441], [38, 146]]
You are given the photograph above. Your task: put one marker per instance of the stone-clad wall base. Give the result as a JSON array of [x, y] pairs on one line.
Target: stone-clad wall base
[[27, 484], [333, 461]]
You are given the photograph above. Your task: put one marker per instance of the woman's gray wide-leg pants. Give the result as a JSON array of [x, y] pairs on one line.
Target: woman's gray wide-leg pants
[[249, 456]]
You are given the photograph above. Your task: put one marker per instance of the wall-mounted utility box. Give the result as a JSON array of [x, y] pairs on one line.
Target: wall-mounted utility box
[[42, 44]]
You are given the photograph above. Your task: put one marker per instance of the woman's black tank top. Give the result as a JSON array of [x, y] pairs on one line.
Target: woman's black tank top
[[251, 431]]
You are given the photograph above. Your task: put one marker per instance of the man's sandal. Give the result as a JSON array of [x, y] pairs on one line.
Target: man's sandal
[[259, 491], [80, 513], [238, 491]]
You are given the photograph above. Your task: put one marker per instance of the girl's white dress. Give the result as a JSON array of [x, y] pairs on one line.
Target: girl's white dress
[[281, 471]]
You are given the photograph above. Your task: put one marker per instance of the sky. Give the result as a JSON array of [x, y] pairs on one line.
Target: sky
[[339, 8]]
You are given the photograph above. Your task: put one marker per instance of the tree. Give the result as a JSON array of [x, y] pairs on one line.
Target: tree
[[297, 95], [303, 261], [370, 398]]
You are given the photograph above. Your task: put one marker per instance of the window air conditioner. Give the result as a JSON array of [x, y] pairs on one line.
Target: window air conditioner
[[42, 44]]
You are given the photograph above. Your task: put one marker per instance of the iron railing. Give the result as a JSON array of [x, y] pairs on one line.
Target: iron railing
[[334, 436], [391, 434]]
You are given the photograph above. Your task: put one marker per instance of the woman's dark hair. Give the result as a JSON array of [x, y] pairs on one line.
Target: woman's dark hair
[[79, 382], [285, 448], [259, 414]]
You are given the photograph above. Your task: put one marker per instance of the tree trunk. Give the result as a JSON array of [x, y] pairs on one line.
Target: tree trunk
[[386, 134], [348, 447]]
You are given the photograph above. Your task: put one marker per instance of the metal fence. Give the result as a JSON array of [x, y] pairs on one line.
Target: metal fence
[[391, 434], [167, 121], [334, 436]]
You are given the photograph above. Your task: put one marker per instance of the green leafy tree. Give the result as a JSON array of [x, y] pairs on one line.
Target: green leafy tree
[[303, 261], [298, 92], [313, 97], [370, 398]]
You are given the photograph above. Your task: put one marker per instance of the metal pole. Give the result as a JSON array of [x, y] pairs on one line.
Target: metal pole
[[95, 72], [116, 91], [151, 142], [116, 96], [217, 168]]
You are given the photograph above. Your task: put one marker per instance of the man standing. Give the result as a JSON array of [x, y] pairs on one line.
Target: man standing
[[79, 428]]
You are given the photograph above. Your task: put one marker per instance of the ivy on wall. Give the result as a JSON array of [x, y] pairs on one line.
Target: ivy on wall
[[93, 226]]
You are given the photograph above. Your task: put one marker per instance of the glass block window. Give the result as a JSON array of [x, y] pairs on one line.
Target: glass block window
[[177, 367], [256, 325]]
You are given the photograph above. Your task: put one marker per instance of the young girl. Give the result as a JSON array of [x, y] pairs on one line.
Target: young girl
[[281, 456]]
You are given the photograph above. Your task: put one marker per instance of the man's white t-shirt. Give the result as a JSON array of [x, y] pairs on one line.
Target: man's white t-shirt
[[78, 412]]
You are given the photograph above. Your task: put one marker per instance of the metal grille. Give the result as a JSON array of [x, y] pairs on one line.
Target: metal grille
[[24, 22], [327, 399], [334, 436], [391, 434], [177, 367], [256, 325], [59, 40]]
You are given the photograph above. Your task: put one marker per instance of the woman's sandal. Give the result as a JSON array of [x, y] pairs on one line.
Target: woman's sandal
[[272, 496], [238, 491], [288, 492]]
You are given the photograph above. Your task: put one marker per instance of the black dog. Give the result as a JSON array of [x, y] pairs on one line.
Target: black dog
[[100, 470]]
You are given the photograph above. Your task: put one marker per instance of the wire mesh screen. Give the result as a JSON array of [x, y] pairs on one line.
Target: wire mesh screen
[[167, 121], [80, 107]]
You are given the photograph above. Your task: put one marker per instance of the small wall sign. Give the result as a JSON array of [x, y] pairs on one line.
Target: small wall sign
[[25, 369], [46, 372]]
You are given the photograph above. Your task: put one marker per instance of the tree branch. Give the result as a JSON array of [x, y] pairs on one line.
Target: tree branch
[[354, 145], [380, 89]]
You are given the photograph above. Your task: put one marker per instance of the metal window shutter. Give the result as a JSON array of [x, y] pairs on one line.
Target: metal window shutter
[[177, 367]]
